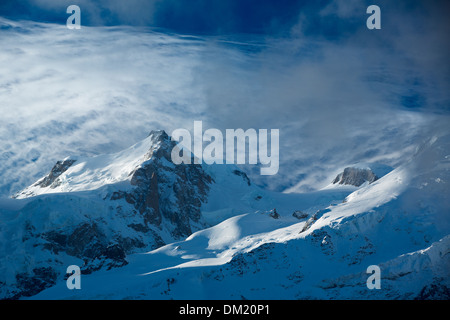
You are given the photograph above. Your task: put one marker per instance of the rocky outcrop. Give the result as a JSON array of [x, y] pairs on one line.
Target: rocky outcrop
[[89, 243], [165, 192], [243, 175], [300, 214], [51, 179], [34, 282], [355, 177]]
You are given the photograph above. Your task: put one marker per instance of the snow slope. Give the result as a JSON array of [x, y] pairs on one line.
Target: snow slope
[[400, 223], [89, 173], [94, 212]]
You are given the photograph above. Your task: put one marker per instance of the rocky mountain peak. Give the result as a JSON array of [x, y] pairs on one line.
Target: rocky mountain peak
[[100, 209], [159, 135], [161, 145]]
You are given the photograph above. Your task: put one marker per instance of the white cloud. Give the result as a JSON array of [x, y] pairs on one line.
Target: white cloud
[[87, 91], [98, 90]]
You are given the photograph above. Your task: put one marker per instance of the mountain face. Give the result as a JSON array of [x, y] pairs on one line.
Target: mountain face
[[96, 211], [208, 233]]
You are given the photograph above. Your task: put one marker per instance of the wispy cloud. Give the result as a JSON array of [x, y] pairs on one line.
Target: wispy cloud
[[366, 96], [337, 98], [94, 91]]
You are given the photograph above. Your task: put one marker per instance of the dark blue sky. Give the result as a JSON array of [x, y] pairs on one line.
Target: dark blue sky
[[414, 28], [193, 16], [329, 18]]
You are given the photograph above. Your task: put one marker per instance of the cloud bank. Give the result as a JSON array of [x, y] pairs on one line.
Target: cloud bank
[[338, 92]]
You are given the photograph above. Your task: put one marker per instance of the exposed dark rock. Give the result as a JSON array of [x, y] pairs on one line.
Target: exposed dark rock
[[274, 214], [59, 168], [309, 222], [139, 227], [300, 215], [323, 238], [57, 241], [243, 175], [29, 231], [355, 177], [34, 282], [434, 291], [242, 263], [89, 243], [164, 191]]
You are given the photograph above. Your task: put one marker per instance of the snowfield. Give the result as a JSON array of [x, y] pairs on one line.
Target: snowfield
[[399, 222]]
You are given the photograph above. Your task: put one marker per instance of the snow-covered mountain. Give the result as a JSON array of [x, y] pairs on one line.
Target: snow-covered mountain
[[93, 212], [143, 228]]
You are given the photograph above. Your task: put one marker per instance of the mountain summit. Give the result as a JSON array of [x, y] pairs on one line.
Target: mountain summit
[[98, 210], [81, 174]]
